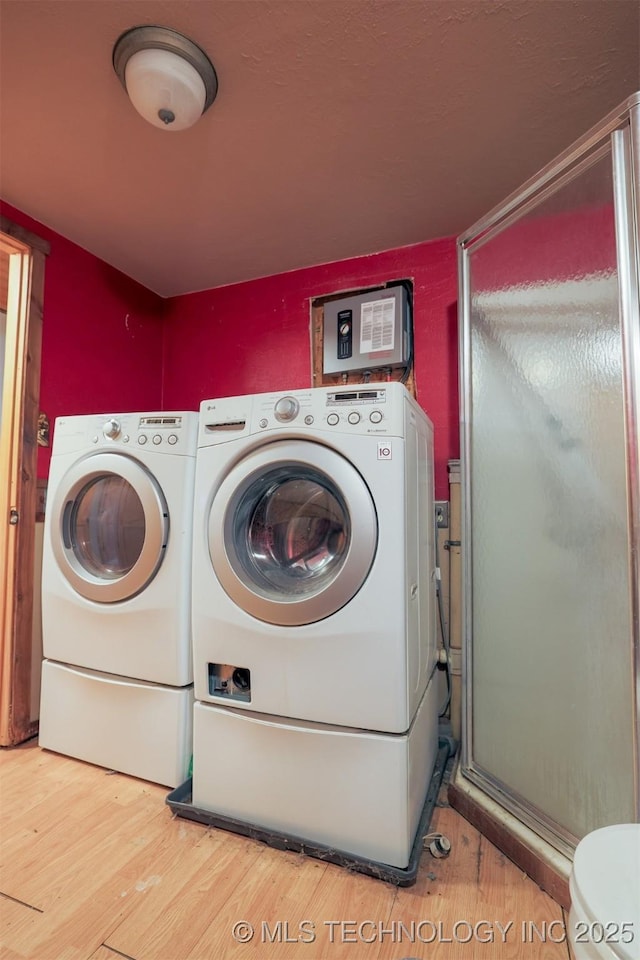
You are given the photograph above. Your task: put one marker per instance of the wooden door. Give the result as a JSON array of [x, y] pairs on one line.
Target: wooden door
[[22, 259]]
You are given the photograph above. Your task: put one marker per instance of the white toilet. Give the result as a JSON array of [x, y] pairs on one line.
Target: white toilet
[[604, 921]]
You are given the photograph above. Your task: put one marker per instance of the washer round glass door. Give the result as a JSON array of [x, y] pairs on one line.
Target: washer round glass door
[[111, 526], [292, 532]]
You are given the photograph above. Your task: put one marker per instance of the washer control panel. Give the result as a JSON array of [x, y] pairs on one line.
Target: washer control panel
[[366, 408], [377, 409], [360, 410]]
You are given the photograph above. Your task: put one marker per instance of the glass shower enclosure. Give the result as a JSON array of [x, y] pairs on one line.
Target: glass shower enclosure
[[550, 358]]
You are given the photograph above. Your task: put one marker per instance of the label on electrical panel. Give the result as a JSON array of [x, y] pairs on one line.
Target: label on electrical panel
[[377, 325]]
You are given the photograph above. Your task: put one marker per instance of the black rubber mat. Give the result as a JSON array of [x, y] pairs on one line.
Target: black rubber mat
[[179, 800]]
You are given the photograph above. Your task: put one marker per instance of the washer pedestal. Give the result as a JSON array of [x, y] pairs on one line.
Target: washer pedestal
[[357, 791]]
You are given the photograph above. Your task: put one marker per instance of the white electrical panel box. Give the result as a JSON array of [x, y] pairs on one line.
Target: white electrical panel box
[[367, 331]]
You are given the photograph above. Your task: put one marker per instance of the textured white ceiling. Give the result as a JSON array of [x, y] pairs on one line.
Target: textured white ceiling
[[341, 127]]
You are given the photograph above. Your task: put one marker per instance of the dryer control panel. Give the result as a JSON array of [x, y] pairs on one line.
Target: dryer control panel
[[170, 432], [160, 431]]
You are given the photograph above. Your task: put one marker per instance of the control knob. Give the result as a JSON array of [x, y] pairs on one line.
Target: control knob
[[286, 409], [111, 429]]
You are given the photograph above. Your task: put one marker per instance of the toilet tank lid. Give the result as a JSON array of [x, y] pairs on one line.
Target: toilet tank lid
[[605, 884]]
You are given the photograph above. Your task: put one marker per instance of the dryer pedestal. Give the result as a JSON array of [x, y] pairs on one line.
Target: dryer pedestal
[[142, 729], [357, 791]]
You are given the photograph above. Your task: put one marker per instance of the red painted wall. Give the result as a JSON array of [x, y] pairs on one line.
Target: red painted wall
[[110, 345], [255, 336], [101, 335]]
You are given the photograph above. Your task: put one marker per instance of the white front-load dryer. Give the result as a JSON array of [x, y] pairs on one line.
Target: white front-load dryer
[[117, 679], [313, 555], [117, 545]]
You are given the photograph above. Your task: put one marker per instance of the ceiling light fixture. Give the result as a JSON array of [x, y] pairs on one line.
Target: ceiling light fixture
[[169, 79]]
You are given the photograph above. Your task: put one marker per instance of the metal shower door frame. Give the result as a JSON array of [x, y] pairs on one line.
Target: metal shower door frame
[[618, 134]]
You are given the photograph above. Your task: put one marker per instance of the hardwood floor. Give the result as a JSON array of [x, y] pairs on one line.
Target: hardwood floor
[[93, 866]]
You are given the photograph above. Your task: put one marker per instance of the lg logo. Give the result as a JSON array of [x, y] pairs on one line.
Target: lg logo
[[384, 450]]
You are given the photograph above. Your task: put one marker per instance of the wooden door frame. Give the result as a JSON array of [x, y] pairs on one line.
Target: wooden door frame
[[18, 470]]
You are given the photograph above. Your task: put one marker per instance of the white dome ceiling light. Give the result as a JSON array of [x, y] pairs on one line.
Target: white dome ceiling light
[[169, 79]]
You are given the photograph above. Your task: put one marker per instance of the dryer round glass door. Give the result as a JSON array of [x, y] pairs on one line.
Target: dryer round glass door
[[292, 532], [110, 527]]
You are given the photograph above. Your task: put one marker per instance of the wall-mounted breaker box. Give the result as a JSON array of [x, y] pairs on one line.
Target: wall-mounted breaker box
[[367, 331]]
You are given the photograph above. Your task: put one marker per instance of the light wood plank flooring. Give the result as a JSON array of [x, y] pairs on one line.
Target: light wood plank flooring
[[93, 866]]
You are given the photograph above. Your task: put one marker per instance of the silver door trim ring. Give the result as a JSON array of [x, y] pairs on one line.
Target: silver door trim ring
[[156, 518], [341, 476]]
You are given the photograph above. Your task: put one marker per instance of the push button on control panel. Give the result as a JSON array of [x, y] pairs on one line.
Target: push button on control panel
[[375, 416], [172, 438], [332, 419], [142, 439], [157, 439], [354, 417]]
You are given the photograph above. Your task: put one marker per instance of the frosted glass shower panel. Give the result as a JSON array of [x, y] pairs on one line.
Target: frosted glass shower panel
[[551, 669]]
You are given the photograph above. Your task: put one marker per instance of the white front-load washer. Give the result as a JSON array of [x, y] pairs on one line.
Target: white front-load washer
[[314, 615], [116, 592], [313, 555]]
